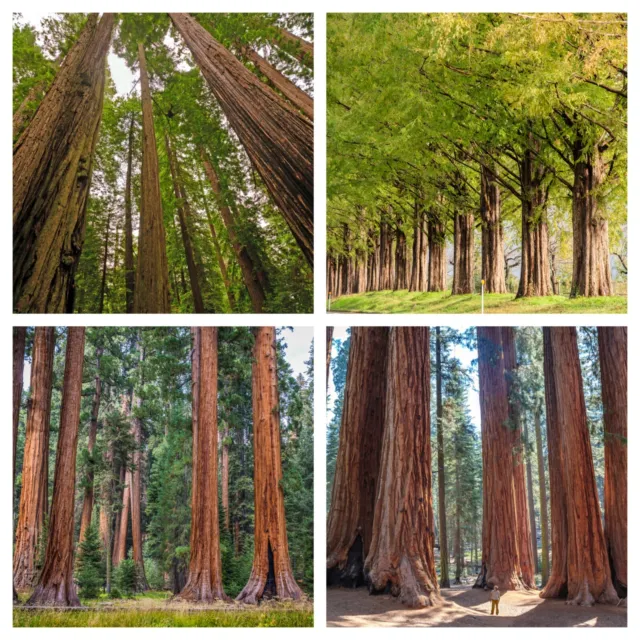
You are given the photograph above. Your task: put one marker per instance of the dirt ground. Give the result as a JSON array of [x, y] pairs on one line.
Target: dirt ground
[[466, 607]]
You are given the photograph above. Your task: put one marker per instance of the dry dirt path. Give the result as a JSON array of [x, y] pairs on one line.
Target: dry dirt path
[[466, 607]]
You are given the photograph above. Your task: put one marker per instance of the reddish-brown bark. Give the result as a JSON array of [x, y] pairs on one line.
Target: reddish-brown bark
[[122, 518], [588, 577], [271, 573], [19, 340], [329, 344], [33, 495], [437, 275], [463, 252], [278, 140], [350, 522], [225, 476], [152, 275], [419, 275], [204, 583], [55, 585], [301, 49], [612, 342], [129, 269], [401, 553], [492, 235], [52, 166]]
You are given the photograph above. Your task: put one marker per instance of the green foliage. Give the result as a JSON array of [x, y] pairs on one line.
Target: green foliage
[[89, 573], [125, 577]]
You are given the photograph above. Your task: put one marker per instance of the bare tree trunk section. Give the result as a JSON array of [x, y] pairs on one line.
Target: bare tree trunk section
[[588, 576], [612, 342], [297, 97], [401, 553], [419, 271], [204, 583], [329, 345], [530, 501], [304, 49], [442, 507], [225, 477], [492, 233], [463, 252], [52, 166], [350, 521], [19, 341], [151, 293], [129, 269], [278, 140], [56, 586], [437, 276], [544, 517], [271, 574], [120, 548], [105, 257]]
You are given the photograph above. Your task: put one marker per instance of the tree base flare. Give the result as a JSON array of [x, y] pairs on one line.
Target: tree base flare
[[61, 595]]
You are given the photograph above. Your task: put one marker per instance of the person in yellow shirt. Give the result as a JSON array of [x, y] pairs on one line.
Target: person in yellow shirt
[[495, 600]]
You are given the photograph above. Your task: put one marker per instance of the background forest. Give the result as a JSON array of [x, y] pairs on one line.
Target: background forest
[[217, 235], [457, 445], [469, 147], [136, 431]]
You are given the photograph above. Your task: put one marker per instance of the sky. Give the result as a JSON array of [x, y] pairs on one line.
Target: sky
[[463, 354]]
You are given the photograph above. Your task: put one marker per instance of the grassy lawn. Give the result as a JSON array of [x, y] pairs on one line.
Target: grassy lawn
[[444, 302], [155, 609]]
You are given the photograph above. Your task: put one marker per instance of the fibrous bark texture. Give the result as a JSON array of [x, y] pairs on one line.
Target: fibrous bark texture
[[33, 496], [437, 276], [612, 342], [401, 555], [304, 49], [544, 517], [152, 275], [350, 522], [19, 340], [52, 165], [588, 576], [463, 251], [419, 276], [278, 140], [129, 269], [442, 508], [492, 236], [271, 573], [329, 345], [204, 583], [56, 586], [500, 555]]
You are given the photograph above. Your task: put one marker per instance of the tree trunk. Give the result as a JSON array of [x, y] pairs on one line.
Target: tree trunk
[[401, 554], [458, 532], [297, 97], [463, 250], [56, 586], [587, 578], [52, 165], [204, 583], [103, 282], [87, 504], [544, 518], [612, 342], [442, 507], [19, 340], [152, 275], [329, 345], [591, 266], [278, 140], [401, 279], [27, 108], [530, 502], [225, 477], [419, 272], [492, 234], [437, 277], [500, 548], [303, 49], [181, 206], [129, 269], [122, 519], [350, 521], [271, 574], [249, 275], [36, 455]]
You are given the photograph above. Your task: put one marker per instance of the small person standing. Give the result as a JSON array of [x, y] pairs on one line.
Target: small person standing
[[495, 600]]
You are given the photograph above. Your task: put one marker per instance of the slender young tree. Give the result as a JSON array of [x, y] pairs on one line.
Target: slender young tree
[[52, 166], [329, 344], [55, 585], [271, 573], [544, 517], [19, 340], [130, 274]]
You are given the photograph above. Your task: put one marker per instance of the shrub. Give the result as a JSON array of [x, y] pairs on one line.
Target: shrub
[[89, 573]]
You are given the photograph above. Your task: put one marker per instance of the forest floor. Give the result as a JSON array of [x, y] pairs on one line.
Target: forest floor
[[466, 607], [444, 302], [157, 609]]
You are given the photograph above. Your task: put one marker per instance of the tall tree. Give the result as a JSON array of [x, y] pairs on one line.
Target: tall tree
[[278, 140], [542, 484], [329, 345], [55, 585], [130, 274], [442, 507], [19, 340], [492, 233], [52, 166]]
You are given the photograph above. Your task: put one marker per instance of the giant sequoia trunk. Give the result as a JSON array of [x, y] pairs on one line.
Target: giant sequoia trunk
[[249, 272], [401, 554], [437, 276], [500, 541], [492, 236], [87, 504], [56, 586], [612, 342], [122, 518], [544, 518], [530, 502], [419, 275], [297, 97], [204, 583], [19, 340], [271, 574], [591, 266], [129, 270], [587, 576], [182, 208], [35, 464], [152, 275], [463, 254], [278, 140], [350, 522], [52, 165], [225, 477]]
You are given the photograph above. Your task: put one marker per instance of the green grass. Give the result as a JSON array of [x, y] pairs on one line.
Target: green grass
[[444, 302]]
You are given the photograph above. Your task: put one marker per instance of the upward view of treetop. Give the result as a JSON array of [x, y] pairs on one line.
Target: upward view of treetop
[[469, 147], [187, 187]]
